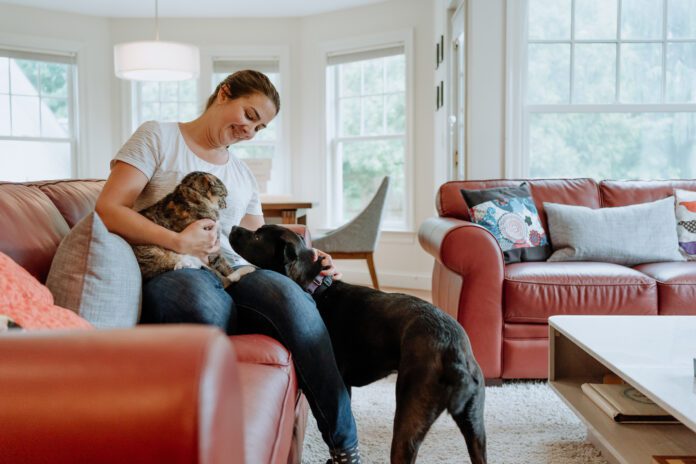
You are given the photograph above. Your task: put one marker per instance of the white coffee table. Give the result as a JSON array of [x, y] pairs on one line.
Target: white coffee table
[[654, 354]]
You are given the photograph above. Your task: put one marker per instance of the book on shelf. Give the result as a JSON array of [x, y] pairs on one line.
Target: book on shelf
[[674, 460], [625, 404]]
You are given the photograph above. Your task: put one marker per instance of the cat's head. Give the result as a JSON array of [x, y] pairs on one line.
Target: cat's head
[[204, 187]]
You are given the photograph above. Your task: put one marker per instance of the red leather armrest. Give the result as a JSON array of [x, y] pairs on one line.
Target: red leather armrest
[[456, 243], [156, 394]]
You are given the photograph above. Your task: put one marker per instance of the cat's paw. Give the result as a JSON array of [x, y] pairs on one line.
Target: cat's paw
[[188, 262], [240, 272]]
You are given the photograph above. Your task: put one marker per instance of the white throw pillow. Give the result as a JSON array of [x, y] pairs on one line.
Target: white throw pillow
[[628, 235], [95, 274]]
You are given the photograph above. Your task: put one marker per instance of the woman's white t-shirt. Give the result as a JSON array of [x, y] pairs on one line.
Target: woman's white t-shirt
[[158, 150]]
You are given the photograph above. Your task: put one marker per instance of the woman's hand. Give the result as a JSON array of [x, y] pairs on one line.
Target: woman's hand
[[327, 262], [200, 239]]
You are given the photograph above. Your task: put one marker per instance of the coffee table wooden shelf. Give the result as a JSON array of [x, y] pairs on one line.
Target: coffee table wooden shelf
[[584, 348]]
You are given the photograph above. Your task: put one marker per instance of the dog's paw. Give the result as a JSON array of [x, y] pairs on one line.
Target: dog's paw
[[239, 273], [188, 262]]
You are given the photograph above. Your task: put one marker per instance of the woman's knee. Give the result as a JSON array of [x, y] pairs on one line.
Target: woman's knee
[[281, 301], [186, 295]]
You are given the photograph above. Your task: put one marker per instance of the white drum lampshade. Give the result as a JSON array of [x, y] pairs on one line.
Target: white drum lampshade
[[156, 61]]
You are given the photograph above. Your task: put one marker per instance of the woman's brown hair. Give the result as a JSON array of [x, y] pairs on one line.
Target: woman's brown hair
[[243, 83]]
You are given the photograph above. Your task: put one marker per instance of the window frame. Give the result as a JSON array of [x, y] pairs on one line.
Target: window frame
[[518, 114], [136, 102], [332, 184], [34, 49]]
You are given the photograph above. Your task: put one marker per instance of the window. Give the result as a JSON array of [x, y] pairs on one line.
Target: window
[[263, 154], [368, 132], [610, 89], [165, 101], [37, 116]]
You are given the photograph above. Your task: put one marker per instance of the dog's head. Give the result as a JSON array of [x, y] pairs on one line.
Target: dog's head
[[202, 187], [279, 249]]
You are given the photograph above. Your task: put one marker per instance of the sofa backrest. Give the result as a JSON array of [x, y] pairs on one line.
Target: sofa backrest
[[631, 192], [582, 192], [34, 218]]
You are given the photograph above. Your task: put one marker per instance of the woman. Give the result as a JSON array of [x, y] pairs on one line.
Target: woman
[[148, 166]]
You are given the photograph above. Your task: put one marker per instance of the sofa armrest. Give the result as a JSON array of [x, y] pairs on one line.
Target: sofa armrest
[[151, 394], [459, 244], [470, 258]]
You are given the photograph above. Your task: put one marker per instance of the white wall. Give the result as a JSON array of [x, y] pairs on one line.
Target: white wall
[[89, 36], [486, 88]]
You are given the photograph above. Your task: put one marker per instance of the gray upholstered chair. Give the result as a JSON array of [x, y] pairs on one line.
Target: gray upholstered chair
[[357, 239]]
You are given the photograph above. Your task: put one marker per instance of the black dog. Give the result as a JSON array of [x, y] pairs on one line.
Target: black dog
[[375, 334]]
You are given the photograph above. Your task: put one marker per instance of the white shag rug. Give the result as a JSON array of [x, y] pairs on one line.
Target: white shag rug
[[526, 423]]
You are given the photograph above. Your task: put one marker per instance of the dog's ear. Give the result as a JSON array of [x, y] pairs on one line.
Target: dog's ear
[[289, 253]]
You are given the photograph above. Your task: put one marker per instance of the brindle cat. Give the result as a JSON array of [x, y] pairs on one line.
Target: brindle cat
[[200, 195]]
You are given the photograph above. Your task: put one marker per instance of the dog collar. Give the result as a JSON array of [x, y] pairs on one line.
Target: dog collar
[[319, 284]]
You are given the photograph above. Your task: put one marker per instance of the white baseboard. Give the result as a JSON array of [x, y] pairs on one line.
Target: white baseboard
[[389, 279]]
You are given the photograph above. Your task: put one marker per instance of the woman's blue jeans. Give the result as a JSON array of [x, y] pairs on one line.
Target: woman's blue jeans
[[268, 303]]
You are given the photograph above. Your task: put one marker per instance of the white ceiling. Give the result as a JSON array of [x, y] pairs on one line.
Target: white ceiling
[[193, 8]]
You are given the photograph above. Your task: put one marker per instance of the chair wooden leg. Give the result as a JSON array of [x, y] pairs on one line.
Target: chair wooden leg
[[373, 273]]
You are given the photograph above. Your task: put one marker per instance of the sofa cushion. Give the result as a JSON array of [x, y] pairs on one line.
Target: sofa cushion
[[269, 389], [74, 199], [629, 235], [532, 292], [28, 303], [510, 216], [630, 192], [95, 274], [31, 228], [676, 286]]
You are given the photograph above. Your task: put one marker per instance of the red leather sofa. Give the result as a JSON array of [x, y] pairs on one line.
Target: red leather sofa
[[174, 394], [504, 308]]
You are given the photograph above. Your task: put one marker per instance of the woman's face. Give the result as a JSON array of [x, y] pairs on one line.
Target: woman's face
[[242, 118]]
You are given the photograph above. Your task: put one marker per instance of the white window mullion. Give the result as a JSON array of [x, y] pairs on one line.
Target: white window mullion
[[571, 87], [337, 193], [663, 89], [617, 68]]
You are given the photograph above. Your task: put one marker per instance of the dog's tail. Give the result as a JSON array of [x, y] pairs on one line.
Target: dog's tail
[[466, 400], [460, 376]]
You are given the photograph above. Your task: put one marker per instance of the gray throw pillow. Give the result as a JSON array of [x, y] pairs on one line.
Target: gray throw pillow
[[628, 235], [95, 274]]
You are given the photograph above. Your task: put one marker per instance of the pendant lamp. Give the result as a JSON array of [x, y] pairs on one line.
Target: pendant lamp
[[156, 60]]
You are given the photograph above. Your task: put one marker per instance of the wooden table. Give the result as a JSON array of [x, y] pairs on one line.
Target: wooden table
[[286, 209], [653, 354]]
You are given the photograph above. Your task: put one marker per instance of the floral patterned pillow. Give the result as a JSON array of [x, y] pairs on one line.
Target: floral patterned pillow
[[29, 304], [686, 222], [510, 215]]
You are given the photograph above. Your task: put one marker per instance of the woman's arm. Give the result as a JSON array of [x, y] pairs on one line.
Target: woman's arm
[[114, 206], [251, 221]]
